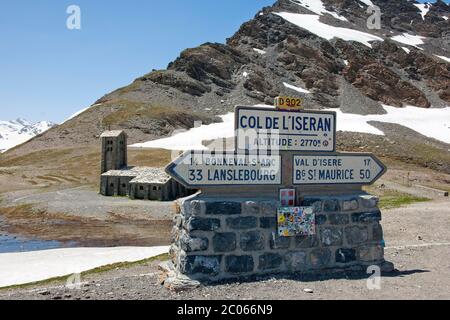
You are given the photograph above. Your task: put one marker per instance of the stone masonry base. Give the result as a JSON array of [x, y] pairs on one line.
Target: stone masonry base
[[216, 239]]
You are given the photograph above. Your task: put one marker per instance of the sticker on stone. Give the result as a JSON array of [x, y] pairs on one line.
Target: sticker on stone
[[296, 221]]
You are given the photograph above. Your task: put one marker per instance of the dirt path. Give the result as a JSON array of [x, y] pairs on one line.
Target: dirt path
[[413, 190], [87, 203], [418, 243], [417, 224]]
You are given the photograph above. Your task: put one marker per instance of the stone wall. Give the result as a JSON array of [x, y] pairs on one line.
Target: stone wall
[[216, 239]]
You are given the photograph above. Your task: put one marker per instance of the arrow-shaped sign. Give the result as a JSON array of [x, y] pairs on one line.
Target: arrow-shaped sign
[[201, 169], [351, 168]]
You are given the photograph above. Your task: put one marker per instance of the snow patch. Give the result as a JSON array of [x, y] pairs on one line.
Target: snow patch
[[298, 89], [350, 122], [444, 17], [433, 123], [367, 3], [259, 51], [409, 39], [406, 50], [245, 74], [424, 9], [193, 138], [443, 58], [13, 133], [76, 114], [312, 24], [27, 267], [317, 7]]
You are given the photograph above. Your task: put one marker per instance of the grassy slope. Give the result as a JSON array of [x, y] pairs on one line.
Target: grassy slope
[[390, 199], [70, 167]]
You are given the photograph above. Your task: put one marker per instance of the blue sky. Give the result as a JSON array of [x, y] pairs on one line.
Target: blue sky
[[49, 72]]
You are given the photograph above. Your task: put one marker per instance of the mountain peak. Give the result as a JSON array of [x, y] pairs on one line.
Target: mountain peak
[[18, 131]]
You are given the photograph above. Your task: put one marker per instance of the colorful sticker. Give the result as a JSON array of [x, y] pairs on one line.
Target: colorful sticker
[[296, 221]]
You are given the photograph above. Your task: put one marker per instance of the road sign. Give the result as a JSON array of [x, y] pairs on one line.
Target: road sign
[[288, 103], [352, 168], [270, 129], [203, 169]]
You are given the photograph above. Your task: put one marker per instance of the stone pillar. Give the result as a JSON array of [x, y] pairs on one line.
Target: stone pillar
[[215, 239]]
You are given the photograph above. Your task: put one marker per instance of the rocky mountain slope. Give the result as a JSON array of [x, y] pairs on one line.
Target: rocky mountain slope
[[321, 50], [18, 131]]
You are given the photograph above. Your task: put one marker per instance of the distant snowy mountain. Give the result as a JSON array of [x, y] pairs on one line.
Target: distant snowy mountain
[[15, 132]]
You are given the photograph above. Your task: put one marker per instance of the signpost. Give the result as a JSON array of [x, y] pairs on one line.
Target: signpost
[[265, 129], [202, 169], [269, 129], [351, 168], [250, 196]]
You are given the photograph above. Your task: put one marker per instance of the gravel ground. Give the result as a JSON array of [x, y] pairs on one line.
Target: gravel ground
[[418, 243]]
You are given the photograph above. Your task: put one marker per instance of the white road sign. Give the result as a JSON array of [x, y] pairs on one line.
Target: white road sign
[[270, 129], [201, 169], [356, 168]]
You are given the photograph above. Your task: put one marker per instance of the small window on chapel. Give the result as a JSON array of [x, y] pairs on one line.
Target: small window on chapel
[[154, 188], [141, 188]]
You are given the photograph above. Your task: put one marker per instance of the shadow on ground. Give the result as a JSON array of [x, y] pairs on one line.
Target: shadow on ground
[[352, 275]]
